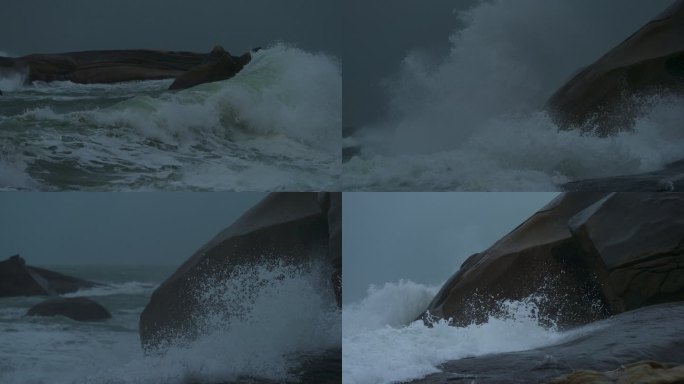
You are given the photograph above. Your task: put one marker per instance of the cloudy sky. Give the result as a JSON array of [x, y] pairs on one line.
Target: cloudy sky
[[43, 26], [114, 228], [379, 34], [423, 237]]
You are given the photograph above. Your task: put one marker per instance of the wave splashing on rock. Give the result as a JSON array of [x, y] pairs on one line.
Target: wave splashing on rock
[[382, 345], [265, 322]]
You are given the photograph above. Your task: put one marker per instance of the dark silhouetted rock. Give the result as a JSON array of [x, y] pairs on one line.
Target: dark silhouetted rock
[[220, 66], [649, 61], [77, 308], [588, 254], [650, 333], [106, 66], [18, 279], [288, 227]]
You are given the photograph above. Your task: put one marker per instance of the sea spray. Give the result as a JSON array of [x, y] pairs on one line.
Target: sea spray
[[289, 319], [263, 321], [476, 119], [382, 344]]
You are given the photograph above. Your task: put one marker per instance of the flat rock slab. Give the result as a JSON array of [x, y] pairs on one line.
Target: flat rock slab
[[669, 179], [77, 308]]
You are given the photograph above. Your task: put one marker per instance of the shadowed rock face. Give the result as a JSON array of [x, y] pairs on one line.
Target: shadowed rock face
[[18, 279], [288, 227], [650, 333], [649, 61], [589, 254], [107, 66], [77, 308]]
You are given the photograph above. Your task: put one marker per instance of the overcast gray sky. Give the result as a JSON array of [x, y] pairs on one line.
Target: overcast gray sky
[[423, 237], [114, 228], [42, 26], [378, 34]]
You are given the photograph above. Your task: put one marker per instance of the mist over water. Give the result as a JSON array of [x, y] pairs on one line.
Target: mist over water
[[274, 125], [474, 119]]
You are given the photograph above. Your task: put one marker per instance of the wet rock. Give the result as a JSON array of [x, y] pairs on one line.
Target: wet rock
[[585, 255], [18, 279], [651, 61], [289, 227], [669, 179], [77, 308]]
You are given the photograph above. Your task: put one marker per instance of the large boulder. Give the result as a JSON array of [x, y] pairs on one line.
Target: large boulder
[[77, 308], [18, 279], [584, 256], [649, 61], [220, 66], [288, 227]]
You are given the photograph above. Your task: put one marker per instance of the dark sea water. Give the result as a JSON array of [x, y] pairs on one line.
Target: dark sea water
[[301, 346], [275, 125]]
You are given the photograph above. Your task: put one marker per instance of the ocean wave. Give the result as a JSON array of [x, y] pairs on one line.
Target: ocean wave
[[279, 119], [382, 344]]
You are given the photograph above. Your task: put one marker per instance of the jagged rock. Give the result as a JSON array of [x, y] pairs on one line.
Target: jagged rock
[[18, 279], [220, 66], [649, 61], [586, 254], [77, 308], [288, 227]]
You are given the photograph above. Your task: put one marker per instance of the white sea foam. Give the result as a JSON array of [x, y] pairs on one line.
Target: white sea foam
[[383, 344], [474, 121]]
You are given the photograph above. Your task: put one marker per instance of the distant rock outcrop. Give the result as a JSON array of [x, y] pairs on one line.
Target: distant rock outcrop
[[110, 66], [220, 66], [18, 279], [295, 228], [77, 308], [649, 61], [586, 255]]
